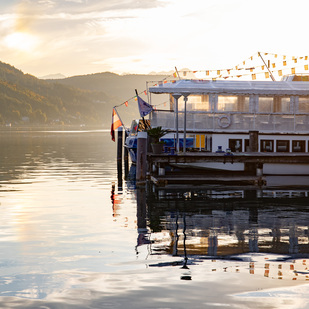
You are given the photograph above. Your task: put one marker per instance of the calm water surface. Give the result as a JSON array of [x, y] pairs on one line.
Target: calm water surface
[[73, 235]]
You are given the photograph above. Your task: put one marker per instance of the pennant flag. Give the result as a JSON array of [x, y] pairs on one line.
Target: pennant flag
[[274, 65], [126, 103], [306, 67], [306, 57], [253, 76], [284, 63], [116, 123], [145, 92], [207, 73], [292, 70], [144, 108], [218, 72], [266, 75], [175, 74], [280, 72]]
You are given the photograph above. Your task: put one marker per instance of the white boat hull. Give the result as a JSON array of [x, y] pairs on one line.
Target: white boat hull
[[268, 169]]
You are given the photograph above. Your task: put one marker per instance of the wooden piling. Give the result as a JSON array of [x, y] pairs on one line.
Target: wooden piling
[[141, 160], [126, 157], [119, 156]]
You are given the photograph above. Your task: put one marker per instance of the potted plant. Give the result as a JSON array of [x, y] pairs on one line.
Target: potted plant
[[155, 134]]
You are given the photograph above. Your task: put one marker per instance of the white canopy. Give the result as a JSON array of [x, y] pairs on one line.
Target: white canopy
[[281, 88]]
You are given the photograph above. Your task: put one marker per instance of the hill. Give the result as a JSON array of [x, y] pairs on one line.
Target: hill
[[85, 99], [25, 99], [119, 87]]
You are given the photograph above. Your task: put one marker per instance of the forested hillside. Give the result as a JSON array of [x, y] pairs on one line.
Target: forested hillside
[[25, 99], [86, 99], [119, 87]]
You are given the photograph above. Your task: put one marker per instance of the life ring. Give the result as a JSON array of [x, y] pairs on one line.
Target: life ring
[[224, 121]]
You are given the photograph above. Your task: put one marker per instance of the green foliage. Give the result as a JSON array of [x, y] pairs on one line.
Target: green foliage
[[156, 133]]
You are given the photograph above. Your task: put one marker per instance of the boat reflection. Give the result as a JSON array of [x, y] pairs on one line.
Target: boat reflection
[[266, 228]]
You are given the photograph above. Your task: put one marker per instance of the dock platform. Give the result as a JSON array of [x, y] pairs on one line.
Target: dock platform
[[253, 174]]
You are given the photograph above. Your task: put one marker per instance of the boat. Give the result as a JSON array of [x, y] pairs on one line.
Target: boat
[[139, 125], [218, 116]]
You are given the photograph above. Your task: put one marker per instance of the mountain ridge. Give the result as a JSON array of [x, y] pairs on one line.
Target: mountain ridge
[[81, 99]]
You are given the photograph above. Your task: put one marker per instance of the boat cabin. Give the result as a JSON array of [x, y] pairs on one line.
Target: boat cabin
[[221, 113]]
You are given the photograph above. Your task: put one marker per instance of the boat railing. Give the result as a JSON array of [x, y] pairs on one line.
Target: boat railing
[[199, 121]]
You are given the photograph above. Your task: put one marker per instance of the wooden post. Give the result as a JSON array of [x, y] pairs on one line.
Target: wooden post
[[119, 156], [126, 157], [141, 160]]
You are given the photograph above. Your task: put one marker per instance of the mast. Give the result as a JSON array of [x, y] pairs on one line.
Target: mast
[[271, 75]]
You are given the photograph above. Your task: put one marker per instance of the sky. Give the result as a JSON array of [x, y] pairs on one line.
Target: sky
[[76, 37]]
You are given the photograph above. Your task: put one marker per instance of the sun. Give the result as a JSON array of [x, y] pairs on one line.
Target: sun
[[21, 41]]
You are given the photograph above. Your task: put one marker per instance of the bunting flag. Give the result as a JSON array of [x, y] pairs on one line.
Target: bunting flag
[[144, 108], [275, 61], [126, 103], [116, 123]]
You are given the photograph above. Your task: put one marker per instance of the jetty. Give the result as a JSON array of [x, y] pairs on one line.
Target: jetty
[[252, 174]]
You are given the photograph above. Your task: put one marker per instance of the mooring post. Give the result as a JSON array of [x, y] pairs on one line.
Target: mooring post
[[119, 156], [141, 159], [126, 157]]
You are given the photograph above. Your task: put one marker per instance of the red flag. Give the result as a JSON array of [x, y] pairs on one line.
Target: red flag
[[116, 123], [126, 103]]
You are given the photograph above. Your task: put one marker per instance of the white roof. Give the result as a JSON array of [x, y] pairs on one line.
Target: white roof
[[233, 87]]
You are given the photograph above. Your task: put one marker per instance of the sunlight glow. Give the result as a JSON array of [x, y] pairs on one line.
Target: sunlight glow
[[21, 41]]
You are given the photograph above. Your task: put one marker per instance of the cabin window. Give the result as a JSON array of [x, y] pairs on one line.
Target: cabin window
[[233, 103], [284, 106], [303, 106], [266, 104], [282, 146], [267, 145], [195, 103], [235, 145], [298, 146], [274, 104]]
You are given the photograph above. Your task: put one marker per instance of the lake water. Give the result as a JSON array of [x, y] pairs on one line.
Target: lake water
[[74, 235]]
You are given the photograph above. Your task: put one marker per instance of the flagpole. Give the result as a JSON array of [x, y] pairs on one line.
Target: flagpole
[[177, 73], [119, 117], [142, 116], [271, 75]]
